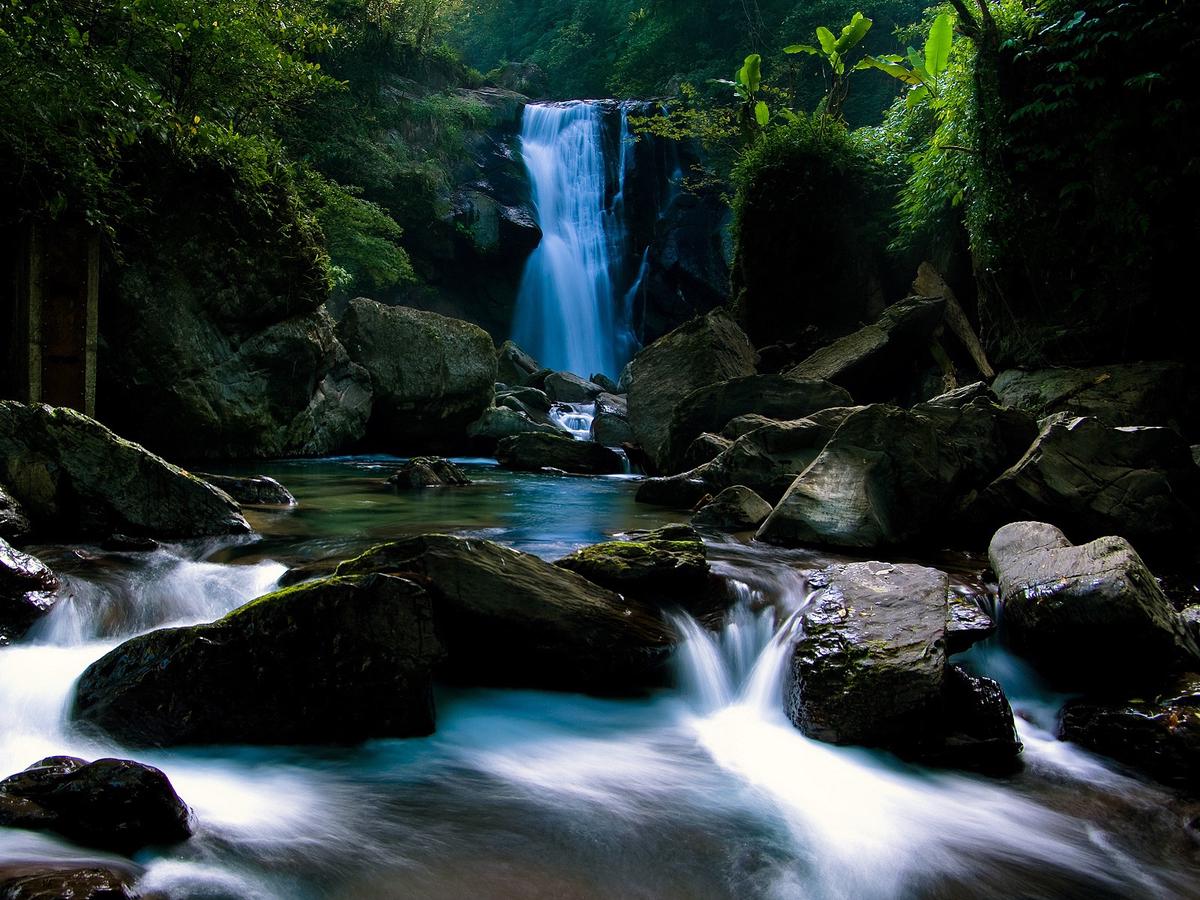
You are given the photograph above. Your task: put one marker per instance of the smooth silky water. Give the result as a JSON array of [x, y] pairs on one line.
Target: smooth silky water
[[704, 790]]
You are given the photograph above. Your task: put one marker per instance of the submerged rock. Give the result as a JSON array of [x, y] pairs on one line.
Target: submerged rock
[[111, 804], [428, 471], [705, 350], [712, 407], [14, 524], [335, 660], [1159, 734], [432, 376], [734, 509], [892, 476], [1086, 615], [27, 591], [75, 478], [532, 452], [1093, 480], [668, 567], [64, 881], [508, 618], [251, 490]]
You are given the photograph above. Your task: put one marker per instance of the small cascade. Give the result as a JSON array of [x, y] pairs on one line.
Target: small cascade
[[575, 418]]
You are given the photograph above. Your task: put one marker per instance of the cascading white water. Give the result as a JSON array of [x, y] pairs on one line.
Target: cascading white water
[[566, 312]]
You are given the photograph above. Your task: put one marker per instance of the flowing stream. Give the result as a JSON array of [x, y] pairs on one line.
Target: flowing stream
[[704, 790]]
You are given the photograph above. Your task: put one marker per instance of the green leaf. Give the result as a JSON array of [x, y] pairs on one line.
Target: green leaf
[[762, 115], [893, 69], [937, 45], [802, 48], [828, 41], [915, 96], [750, 75], [853, 33]]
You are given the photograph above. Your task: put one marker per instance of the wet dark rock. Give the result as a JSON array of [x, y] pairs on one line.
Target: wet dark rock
[[1144, 393], [966, 624], [871, 664], [609, 386], [710, 408], [1158, 733], [963, 395], [526, 398], [75, 478], [251, 490], [514, 366], [610, 425], [1093, 480], [658, 568], [736, 508], [14, 524], [892, 476], [706, 350], [678, 491], [27, 591], [330, 661], [532, 452], [743, 425], [867, 361], [125, 543], [509, 618], [432, 376], [428, 471], [499, 423], [1191, 618], [564, 387], [1086, 615], [64, 881], [111, 804], [979, 729], [704, 449]]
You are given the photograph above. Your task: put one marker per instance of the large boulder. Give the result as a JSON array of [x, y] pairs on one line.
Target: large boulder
[[892, 476], [1145, 393], [736, 508], [711, 408], [705, 350], [532, 452], [1093, 480], [112, 804], [251, 490], [66, 881], [610, 422], [509, 618], [704, 449], [980, 732], [432, 376], [502, 422], [565, 387], [867, 361], [667, 567], [1086, 615], [14, 524], [514, 366], [75, 478], [27, 591], [428, 471], [335, 660], [1158, 733]]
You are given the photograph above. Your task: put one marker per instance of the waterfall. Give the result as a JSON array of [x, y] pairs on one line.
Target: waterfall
[[567, 308]]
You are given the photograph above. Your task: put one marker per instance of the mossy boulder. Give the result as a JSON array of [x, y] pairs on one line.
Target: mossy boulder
[[428, 471], [668, 567], [111, 804], [74, 478], [330, 661], [509, 618]]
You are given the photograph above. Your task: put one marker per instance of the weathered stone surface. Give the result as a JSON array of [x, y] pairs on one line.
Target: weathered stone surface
[[335, 660], [707, 349], [610, 425], [893, 476], [524, 399], [659, 568], [432, 376], [609, 386], [871, 664], [963, 395], [1144, 393], [979, 726], [866, 362], [743, 425], [966, 624], [427, 471], [75, 478], [27, 589], [1159, 734], [678, 491], [704, 449], [499, 423], [513, 365], [736, 508], [1093, 480], [1086, 615], [531, 452], [51, 881], [251, 490], [112, 804], [710, 408], [509, 618], [14, 524], [564, 387]]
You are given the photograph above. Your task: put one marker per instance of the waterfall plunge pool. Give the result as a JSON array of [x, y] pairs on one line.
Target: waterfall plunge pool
[[701, 791]]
